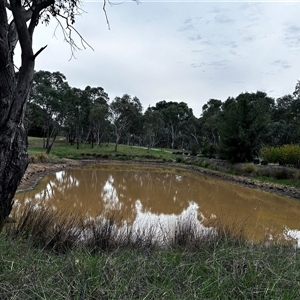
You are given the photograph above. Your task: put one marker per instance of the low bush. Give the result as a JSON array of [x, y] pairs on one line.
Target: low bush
[[38, 158], [248, 168], [284, 155]]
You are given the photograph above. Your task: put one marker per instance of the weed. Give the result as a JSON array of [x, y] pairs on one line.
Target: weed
[[249, 168]]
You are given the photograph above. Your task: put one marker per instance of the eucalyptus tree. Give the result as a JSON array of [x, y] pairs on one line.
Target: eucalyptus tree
[[174, 116], [210, 119], [152, 127], [245, 126], [78, 108], [18, 20], [99, 122], [287, 118], [98, 114], [123, 112], [49, 92], [283, 129]]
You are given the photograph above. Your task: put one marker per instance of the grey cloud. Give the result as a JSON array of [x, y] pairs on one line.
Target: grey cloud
[[282, 64], [238, 81], [249, 38], [217, 10], [231, 44], [195, 37], [215, 64], [252, 11], [221, 16], [192, 24], [219, 63], [195, 65], [197, 51], [223, 19], [187, 25], [292, 36]]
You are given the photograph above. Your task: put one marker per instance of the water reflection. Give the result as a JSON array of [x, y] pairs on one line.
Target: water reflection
[[162, 196]]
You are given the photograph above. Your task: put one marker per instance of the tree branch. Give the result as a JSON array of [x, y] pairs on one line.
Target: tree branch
[[21, 28], [104, 9], [67, 32], [36, 54], [36, 14]]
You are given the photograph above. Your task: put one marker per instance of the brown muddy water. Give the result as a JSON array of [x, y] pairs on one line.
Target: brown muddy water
[[159, 197]]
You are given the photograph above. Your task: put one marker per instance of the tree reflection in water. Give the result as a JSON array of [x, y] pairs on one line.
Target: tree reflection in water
[[148, 195]]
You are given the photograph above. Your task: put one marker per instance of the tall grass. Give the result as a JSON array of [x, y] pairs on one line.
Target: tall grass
[[43, 256]]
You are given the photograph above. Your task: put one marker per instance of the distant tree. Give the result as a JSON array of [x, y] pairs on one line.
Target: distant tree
[[99, 121], [97, 97], [296, 92], [49, 93], [283, 128], [244, 126], [34, 119], [122, 113], [174, 116], [152, 127], [211, 112]]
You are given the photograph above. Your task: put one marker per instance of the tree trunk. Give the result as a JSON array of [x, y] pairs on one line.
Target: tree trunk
[[14, 92]]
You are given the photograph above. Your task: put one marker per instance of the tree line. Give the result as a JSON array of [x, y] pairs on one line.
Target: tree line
[[235, 129]]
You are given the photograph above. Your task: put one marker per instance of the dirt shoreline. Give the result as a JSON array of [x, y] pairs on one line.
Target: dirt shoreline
[[36, 171]]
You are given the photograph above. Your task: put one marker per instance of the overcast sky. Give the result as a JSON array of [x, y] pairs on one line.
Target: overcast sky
[[188, 51]]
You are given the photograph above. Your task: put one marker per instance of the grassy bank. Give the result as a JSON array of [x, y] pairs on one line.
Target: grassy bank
[[43, 261], [62, 149]]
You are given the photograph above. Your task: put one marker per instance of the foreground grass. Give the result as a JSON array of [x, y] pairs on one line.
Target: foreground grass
[[222, 271], [42, 259]]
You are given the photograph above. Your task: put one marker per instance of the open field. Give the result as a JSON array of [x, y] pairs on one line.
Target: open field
[[63, 149]]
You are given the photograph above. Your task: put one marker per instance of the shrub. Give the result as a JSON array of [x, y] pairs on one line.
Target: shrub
[[286, 154], [270, 154], [249, 168], [194, 150], [38, 158], [179, 159]]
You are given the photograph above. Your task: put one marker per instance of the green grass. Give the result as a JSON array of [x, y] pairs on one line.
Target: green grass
[[63, 149], [222, 266]]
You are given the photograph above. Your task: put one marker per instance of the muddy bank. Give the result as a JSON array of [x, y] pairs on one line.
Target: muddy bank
[[35, 172]]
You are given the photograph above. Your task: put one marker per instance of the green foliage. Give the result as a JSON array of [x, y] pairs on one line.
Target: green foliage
[[244, 126], [271, 154], [209, 150], [175, 115], [194, 150], [286, 154], [249, 168]]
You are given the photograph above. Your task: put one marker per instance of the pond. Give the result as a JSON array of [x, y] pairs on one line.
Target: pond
[[153, 196]]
